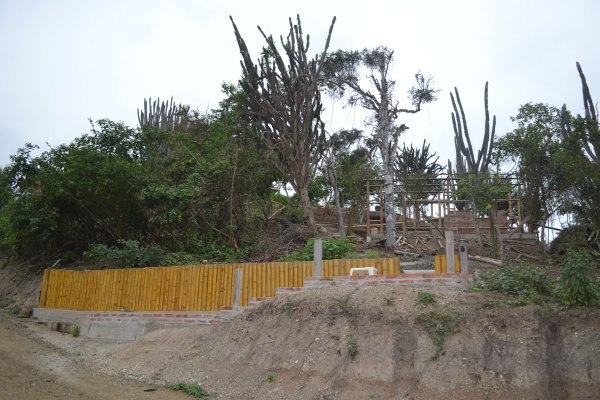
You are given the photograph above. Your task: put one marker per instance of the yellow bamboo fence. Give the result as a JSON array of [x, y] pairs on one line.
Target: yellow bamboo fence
[[441, 266], [185, 288]]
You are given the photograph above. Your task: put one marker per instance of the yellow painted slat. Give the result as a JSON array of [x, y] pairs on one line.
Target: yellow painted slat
[[194, 289]]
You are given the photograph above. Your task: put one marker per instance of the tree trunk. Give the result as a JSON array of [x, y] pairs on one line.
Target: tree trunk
[[232, 233], [336, 195], [390, 212], [497, 245], [309, 216]]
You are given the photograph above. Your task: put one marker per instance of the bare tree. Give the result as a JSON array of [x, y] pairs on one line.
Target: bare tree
[[283, 106], [343, 72]]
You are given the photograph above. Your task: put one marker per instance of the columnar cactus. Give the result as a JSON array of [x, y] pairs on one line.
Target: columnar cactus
[[469, 164]]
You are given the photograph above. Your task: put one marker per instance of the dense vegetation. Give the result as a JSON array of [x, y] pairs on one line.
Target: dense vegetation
[[185, 187]]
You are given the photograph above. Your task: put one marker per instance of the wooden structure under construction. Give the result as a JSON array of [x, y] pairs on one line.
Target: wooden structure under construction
[[439, 209]]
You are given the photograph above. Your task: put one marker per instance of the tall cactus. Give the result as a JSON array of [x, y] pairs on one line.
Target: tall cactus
[[469, 164], [470, 167], [159, 115], [581, 135]]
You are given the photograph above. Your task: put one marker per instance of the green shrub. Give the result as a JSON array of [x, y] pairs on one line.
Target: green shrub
[[525, 282], [75, 331], [332, 249], [129, 254], [180, 258], [575, 286], [440, 324], [271, 377], [196, 391], [424, 298]]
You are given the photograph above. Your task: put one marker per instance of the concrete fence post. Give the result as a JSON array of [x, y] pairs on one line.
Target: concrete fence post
[[237, 287], [450, 267], [464, 260], [318, 258]]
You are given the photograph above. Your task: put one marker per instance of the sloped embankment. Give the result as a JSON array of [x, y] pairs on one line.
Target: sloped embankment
[[301, 346]]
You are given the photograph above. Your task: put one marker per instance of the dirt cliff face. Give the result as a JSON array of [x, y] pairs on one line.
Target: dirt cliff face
[[301, 346]]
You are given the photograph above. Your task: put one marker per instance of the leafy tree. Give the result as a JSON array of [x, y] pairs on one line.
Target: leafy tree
[[343, 72], [338, 144], [283, 106], [417, 171], [533, 147], [77, 194]]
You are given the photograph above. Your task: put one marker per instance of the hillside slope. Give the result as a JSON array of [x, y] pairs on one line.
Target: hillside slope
[[299, 347]]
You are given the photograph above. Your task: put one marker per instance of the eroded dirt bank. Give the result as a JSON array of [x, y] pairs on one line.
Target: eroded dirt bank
[[298, 347]]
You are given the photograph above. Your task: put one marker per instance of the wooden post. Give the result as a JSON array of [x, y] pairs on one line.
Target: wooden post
[[237, 287], [464, 259], [404, 219], [318, 258], [450, 252], [368, 212], [439, 196], [381, 217]]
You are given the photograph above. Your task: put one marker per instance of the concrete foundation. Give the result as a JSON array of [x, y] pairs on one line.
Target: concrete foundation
[[124, 326]]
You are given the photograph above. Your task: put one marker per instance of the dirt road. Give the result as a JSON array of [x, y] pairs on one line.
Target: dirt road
[[33, 370]]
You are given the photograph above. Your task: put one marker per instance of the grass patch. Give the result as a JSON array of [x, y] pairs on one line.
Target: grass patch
[[390, 298], [15, 310], [289, 307], [440, 325], [371, 253], [196, 391]]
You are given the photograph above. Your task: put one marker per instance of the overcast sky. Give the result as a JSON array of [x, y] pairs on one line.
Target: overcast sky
[[63, 62]]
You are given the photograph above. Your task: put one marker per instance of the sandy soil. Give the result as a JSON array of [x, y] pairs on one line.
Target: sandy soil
[[30, 369]]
